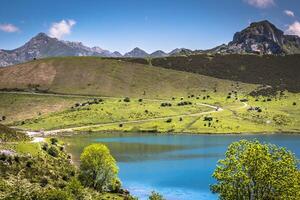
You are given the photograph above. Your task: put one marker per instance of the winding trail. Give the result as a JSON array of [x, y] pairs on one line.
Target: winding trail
[[53, 132]]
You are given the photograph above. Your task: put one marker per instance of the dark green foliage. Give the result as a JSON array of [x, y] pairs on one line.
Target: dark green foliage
[[208, 118], [169, 120], [140, 100], [53, 151], [53, 141], [294, 103], [126, 99], [10, 135], [166, 104], [156, 196], [184, 103]]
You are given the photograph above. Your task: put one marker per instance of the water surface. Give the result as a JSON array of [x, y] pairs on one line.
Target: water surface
[[178, 166]]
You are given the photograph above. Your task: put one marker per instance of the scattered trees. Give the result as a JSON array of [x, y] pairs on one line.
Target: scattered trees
[[98, 169], [252, 170], [166, 104]]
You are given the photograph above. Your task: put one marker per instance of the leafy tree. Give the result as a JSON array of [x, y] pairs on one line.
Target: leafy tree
[[252, 170], [156, 196], [98, 168]]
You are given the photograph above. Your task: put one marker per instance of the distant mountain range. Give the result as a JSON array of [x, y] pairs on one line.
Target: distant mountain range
[[259, 38]]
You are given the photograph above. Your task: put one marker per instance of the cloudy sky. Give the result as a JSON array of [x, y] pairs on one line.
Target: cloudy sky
[[149, 24]]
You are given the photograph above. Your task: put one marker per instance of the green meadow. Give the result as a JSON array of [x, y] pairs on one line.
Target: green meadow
[[279, 113]]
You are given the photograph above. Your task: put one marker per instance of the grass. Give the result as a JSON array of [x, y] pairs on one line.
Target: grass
[[105, 77], [16, 107], [278, 114], [112, 110]]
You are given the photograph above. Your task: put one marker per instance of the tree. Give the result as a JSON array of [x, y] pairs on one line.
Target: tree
[[98, 168], [156, 196], [252, 170]]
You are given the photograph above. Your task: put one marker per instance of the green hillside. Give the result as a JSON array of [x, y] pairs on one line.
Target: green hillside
[[105, 77], [281, 72]]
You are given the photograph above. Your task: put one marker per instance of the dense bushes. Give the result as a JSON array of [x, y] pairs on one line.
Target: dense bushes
[[10, 135]]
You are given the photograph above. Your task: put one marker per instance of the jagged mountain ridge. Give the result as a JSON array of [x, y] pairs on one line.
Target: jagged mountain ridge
[[42, 46], [259, 38]]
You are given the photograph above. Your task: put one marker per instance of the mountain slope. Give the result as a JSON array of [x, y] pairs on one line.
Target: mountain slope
[[107, 77], [42, 46], [136, 53]]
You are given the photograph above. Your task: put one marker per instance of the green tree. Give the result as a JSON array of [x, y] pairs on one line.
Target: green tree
[[255, 171], [98, 168], [156, 196]]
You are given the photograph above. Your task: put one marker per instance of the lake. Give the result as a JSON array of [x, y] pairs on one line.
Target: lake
[[177, 166]]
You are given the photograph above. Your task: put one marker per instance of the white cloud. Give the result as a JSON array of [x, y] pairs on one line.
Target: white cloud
[[261, 3], [9, 28], [62, 28], [289, 13], [294, 29]]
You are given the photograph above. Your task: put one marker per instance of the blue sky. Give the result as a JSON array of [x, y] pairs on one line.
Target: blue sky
[[148, 24]]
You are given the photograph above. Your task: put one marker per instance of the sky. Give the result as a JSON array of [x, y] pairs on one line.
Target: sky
[[121, 25]]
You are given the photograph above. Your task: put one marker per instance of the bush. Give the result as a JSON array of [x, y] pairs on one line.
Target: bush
[[169, 120], [53, 151], [294, 103], [54, 141], [156, 196], [140, 100], [98, 169], [252, 170], [126, 99]]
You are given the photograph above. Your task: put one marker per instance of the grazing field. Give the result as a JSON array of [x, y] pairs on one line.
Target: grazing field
[[15, 107], [209, 113], [104, 77]]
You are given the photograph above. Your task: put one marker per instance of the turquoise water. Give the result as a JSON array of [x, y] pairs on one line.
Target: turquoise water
[[177, 166]]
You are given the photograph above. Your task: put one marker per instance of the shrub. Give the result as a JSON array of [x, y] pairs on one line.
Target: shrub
[[294, 103], [156, 196], [140, 100], [169, 120], [98, 169], [54, 141], [45, 146], [53, 151], [126, 99], [44, 181], [252, 170]]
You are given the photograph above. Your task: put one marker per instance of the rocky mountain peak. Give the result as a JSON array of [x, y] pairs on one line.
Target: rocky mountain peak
[[136, 52]]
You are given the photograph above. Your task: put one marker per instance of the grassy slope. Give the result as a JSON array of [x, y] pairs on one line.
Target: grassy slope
[[18, 107], [111, 110], [96, 76], [281, 72], [278, 115], [234, 119]]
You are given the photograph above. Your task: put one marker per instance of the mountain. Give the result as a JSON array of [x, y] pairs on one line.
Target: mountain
[[180, 51], [158, 53], [261, 38], [136, 53], [42, 46]]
